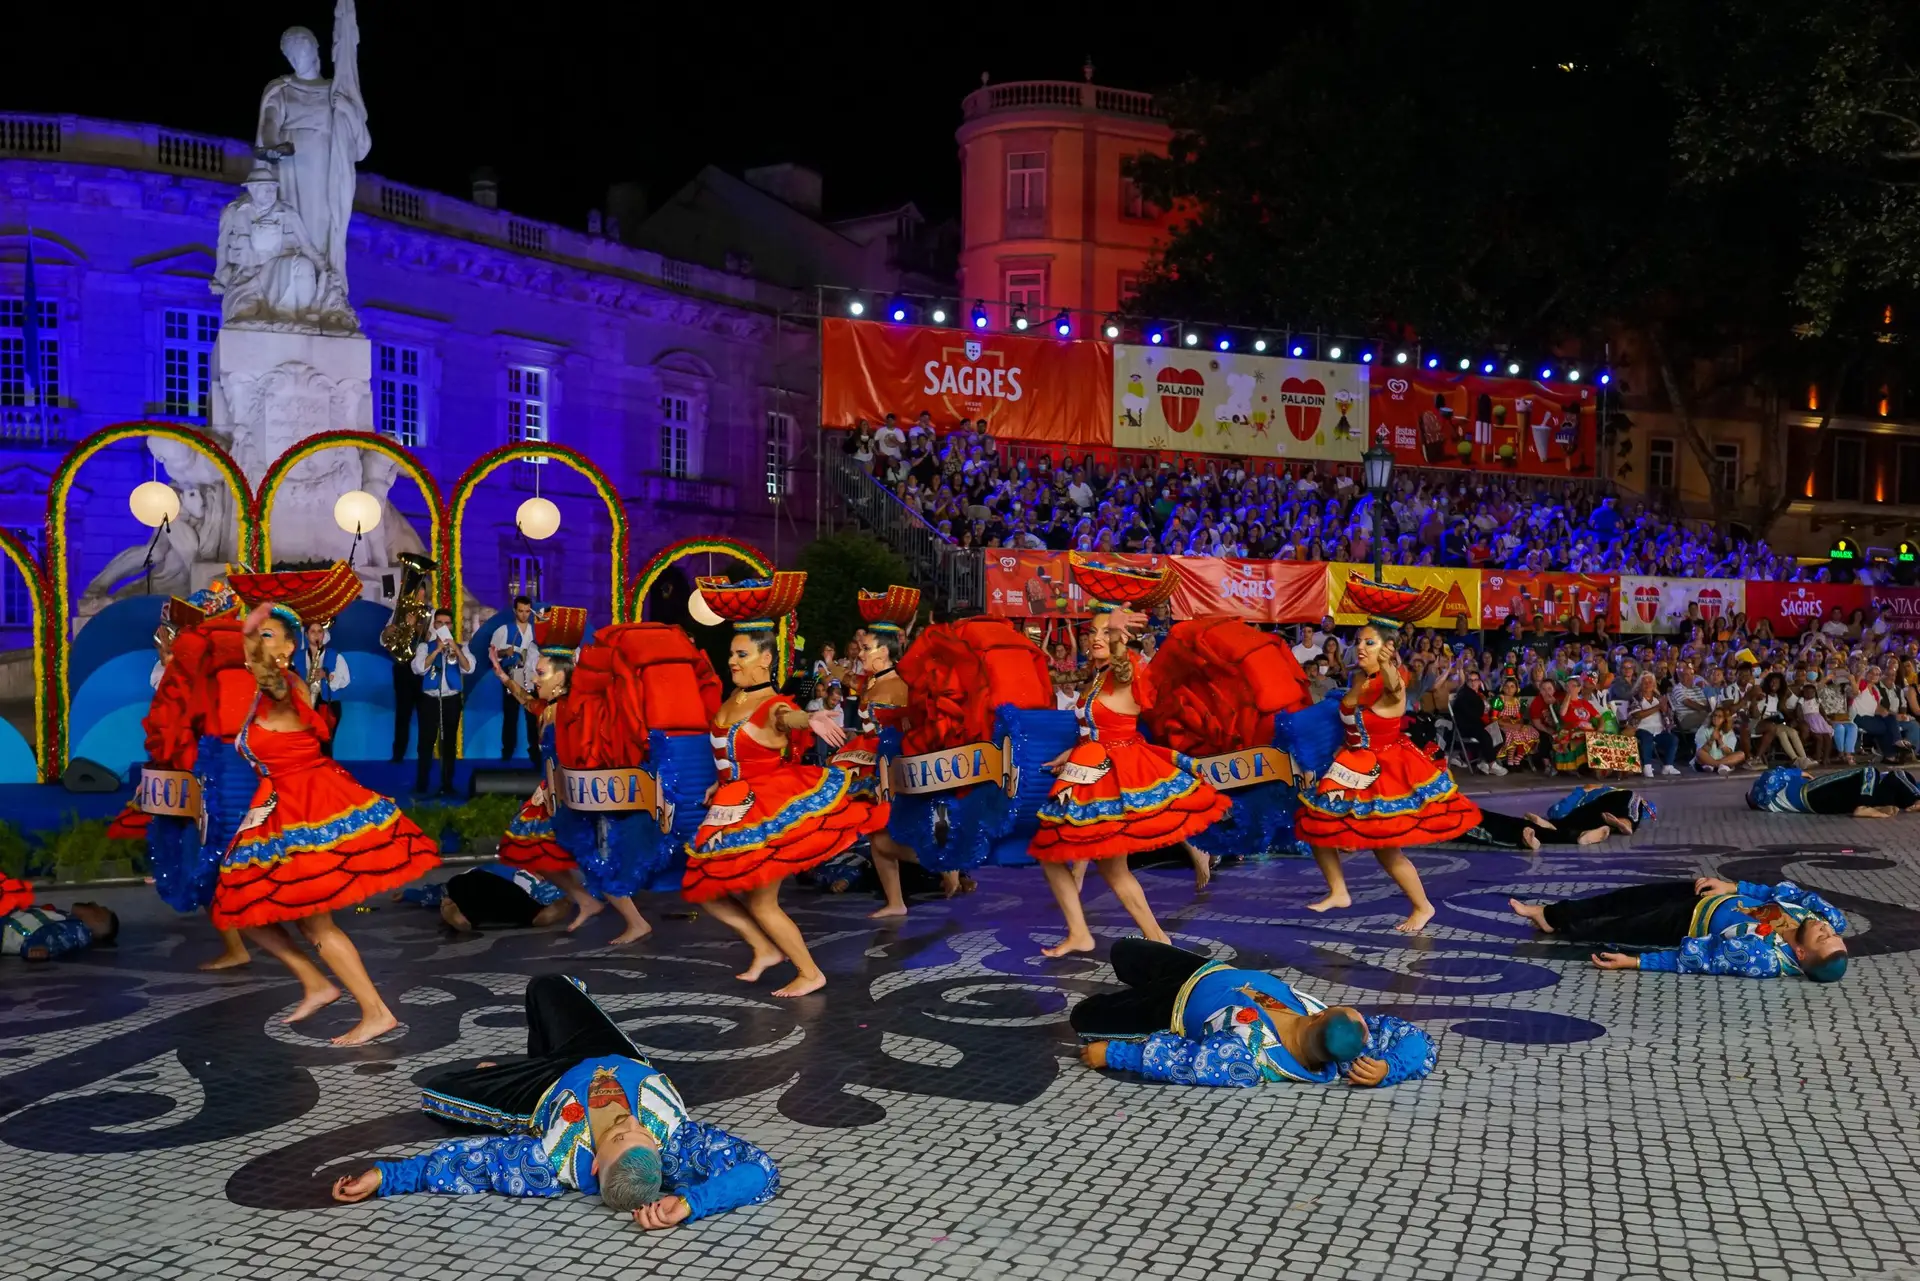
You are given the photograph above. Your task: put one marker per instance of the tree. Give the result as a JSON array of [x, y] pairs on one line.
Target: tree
[[837, 567]]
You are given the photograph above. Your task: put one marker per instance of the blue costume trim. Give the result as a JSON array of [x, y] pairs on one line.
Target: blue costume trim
[[1372, 807], [716, 1171], [511, 1166], [377, 814], [1063, 808], [831, 791], [1576, 798]]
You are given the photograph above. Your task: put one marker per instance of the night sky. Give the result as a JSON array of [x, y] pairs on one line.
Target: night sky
[[561, 99]]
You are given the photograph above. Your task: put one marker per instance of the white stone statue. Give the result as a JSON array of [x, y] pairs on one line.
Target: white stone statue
[[315, 131], [269, 273]]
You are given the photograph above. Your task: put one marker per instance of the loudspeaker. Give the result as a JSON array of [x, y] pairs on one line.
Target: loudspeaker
[[503, 782], [89, 776]]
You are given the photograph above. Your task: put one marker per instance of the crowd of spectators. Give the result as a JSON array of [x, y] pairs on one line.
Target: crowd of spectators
[[975, 492]]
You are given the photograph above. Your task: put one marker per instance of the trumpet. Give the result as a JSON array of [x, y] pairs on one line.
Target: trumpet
[[412, 615]]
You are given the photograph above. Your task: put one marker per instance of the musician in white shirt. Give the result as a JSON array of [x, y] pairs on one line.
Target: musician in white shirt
[[511, 645]]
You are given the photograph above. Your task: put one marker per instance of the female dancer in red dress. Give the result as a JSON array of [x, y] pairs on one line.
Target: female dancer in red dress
[[1118, 794], [529, 840], [769, 816], [315, 841], [1381, 792]]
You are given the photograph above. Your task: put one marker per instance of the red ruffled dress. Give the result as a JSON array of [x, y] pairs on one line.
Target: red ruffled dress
[[14, 895], [1383, 791], [860, 754], [130, 824], [1118, 794], [314, 840], [529, 841], [772, 817]]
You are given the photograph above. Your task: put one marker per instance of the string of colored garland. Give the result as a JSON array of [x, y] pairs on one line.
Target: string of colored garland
[[491, 462], [643, 582], [325, 440], [47, 729]]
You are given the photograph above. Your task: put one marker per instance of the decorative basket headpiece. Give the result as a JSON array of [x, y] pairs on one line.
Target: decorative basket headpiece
[[891, 610], [1111, 587], [302, 595], [215, 600], [559, 629], [760, 605], [1389, 604]]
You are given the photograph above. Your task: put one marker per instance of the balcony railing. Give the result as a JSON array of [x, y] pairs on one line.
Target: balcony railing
[[24, 428], [658, 489], [954, 579], [1022, 95]]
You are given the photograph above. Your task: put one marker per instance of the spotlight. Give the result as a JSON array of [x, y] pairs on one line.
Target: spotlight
[[1513, 367], [1298, 350], [1605, 378], [1399, 357], [1546, 375], [1366, 358], [1155, 337], [1193, 340], [1433, 362], [1487, 368], [939, 315], [1259, 344], [1020, 317], [1573, 375], [856, 307], [899, 313], [1465, 363], [1333, 353], [1062, 325], [979, 315], [1112, 327], [1224, 344]]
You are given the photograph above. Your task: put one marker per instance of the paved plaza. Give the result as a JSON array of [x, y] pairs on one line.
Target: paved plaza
[[930, 1118]]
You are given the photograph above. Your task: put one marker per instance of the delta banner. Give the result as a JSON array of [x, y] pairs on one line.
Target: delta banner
[[1218, 402], [1660, 604], [1552, 602], [1459, 588], [1034, 389], [1792, 608], [1430, 418]]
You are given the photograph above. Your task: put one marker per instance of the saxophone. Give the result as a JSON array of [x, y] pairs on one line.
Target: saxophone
[[412, 616]]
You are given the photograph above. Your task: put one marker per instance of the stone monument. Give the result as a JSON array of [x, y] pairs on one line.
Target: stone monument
[[290, 359]]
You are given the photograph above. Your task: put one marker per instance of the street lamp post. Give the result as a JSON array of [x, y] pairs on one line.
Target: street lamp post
[[1377, 469]]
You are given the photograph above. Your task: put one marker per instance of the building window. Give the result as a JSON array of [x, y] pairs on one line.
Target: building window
[[1026, 183], [1133, 201], [1660, 460], [523, 575], [16, 593], [1726, 465], [779, 452], [15, 387], [676, 431], [397, 397], [186, 362], [527, 405], [1849, 468], [1026, 289]]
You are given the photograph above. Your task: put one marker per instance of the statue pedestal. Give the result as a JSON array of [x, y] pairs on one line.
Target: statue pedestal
[[277, 388]]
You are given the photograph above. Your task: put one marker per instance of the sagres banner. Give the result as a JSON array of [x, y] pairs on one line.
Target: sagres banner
[[1221, 402]]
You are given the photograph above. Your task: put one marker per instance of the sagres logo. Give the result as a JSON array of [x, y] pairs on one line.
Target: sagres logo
[[979, 376], [1801, 604], [1239, 582], [973, 350]]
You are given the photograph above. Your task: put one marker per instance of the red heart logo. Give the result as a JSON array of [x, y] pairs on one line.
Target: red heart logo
[[1710, 603], [1180, 391], [1304, 400], [1646, 602]]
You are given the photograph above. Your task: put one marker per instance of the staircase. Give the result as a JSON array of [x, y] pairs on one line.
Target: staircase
[[954, 581]]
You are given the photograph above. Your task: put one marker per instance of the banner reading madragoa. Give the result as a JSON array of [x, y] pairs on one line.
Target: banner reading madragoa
[[1221, 402]]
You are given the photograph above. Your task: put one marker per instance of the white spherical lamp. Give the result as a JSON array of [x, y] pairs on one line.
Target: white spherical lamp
[[701, 612], [538, 518], [153, 503], [356, 511]]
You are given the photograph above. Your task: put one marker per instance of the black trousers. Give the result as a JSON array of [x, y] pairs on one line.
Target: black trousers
[[564, 1026], [1504, 830], [1656, 915], [491, 902], [1153, 973], [511, 714], [406, 697], [1847, 791], [1479, 742], [439, 734]]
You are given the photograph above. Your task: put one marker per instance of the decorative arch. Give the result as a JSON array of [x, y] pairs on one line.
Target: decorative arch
[[685, 361], [650, 573], [57, 587], [48, 730], [493, 461], [325, 440]]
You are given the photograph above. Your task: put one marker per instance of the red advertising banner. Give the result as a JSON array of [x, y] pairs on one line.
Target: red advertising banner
[[1547, 602], [1260, 591], [1792, 608], [1027, 388], [1900, 606], [1026, 584], [1431, 418]]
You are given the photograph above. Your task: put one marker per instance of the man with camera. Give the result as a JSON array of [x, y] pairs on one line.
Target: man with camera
[[512, 647], [443, 664]]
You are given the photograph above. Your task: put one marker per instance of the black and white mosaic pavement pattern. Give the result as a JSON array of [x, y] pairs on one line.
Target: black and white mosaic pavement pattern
[[931, 1120]]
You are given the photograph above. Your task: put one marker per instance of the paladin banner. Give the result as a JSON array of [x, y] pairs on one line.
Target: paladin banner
[[1217, 402]]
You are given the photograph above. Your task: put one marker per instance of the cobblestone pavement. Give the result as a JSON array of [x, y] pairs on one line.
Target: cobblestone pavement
[[930, 1119]]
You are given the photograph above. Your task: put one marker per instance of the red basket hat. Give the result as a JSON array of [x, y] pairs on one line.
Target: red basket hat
[[890, 610], [1111, 587], [310, 595], [559, 629], [753, 604], [1389, 604]]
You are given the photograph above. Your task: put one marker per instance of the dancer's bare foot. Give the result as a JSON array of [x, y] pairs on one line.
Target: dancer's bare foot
[[1594, 837], [761, 964], [1529, 838], [1069, 945], [230, 960], [1330, 902], [632, 934], [1618, 824], [550, 915], [1202, 869], [374, 1024], [584, 912], [1875, 811], [1539, 821], [801, 986], [1416, 920], [889, 912], [313, 1001], [1533, 913]]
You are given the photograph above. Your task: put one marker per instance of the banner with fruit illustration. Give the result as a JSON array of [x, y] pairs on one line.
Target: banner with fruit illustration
[[1459, 588], [1552, 602], [1196, 400], [1662, 604], [1434, 418]]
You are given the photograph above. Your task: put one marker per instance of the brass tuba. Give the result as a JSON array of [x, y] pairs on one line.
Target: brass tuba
[[412, 612]]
